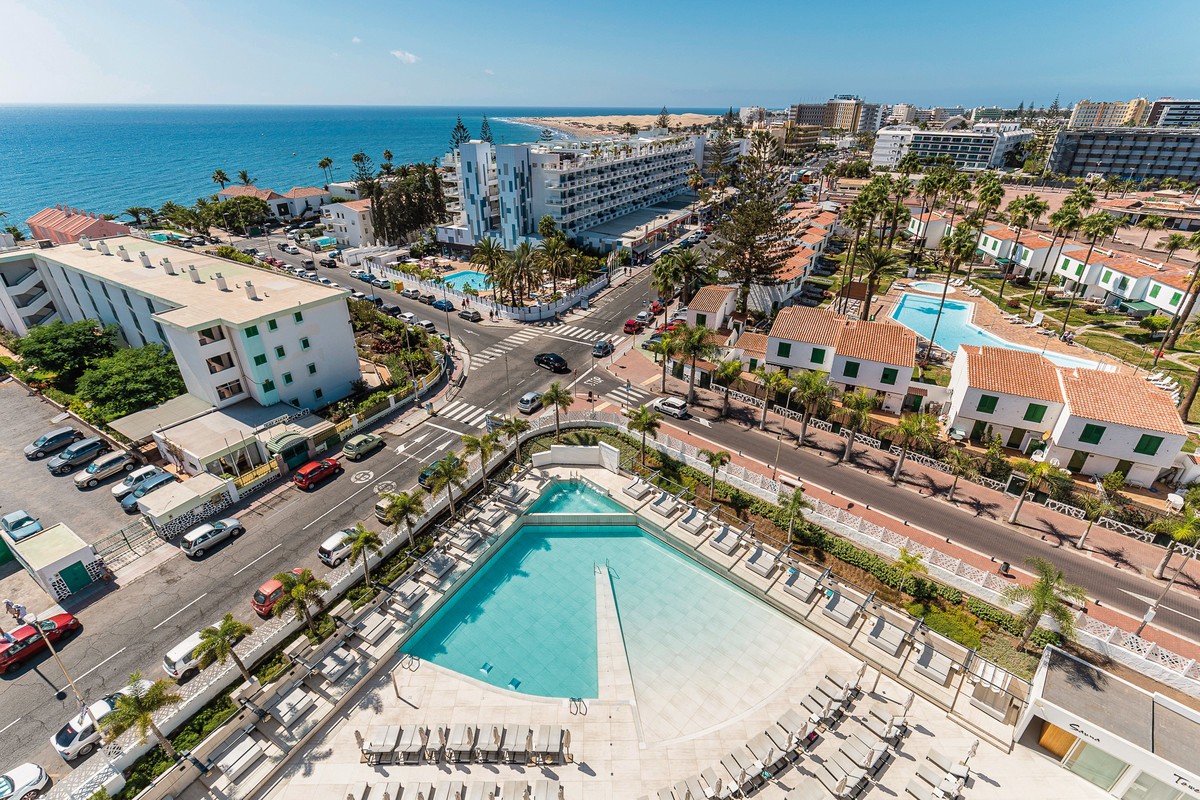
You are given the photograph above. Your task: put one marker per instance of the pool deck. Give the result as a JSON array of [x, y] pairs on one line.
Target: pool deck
[[610, 754]]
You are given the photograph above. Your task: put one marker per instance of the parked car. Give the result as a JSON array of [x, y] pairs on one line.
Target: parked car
[[183, 661], [408, 317], [529, 402], [288, 247], [551, 361], [198, 540], [470, 315], [307, 263], [602, 348], [152, 484], [20, 524], [671, 405], [23, 783], [374, 300], [250, 251], [427, 326], [307, 226], [652, 342], [391, 309], [632, 326], [361, 446], [657, 307], [427, 299], [105, 467], [266, 596], [78, 454], [79, 736], [27, 641], [356, 273], [325, 282], [312, 473], [133, 480], [52, 442], [328, 263], [427, 474], [336, 548], [410, 293], [443, 305], [365, 277], [358, 296], [644, 317]]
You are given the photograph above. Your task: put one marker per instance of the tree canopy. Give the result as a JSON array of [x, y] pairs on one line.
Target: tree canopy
[[130, 380], [68, 348], [459, 134], [485, 131]]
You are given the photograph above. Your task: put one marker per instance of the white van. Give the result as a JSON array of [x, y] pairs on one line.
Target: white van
[[181, 662], [673, 406], [336, 548]]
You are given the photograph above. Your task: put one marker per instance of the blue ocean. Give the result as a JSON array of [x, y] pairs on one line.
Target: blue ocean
[[108, 158]]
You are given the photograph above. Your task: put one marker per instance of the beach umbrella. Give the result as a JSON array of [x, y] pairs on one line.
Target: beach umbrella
[[566, 740], [496, 736], [974, 748], [908, 703], [862, 671], [742, 776], [529, 744]]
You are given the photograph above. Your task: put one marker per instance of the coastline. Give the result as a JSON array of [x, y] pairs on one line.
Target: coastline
[[607, 124]]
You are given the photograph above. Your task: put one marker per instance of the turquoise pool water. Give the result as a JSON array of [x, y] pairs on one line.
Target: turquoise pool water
[[918, 312], [476, 280], [575, 498], [931, 287]]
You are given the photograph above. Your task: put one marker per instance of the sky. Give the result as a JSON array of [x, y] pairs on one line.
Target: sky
[[685, 54]]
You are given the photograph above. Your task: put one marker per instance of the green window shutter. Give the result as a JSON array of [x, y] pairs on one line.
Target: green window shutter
[[850, 370], [1079, 271], [268, 386], [889, 376], [1106, 276], [259, 360], [1035, 412], [818, 355], [702, 319], [1154, 290], [784, 350], [1175, 298], [272, 325], [987, 403], [252, 331], [1092, 434], [1148, 445], [299, 317]]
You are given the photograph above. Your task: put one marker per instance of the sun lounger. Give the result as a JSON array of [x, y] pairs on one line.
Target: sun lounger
[[772, 757], [438, 565], [947, 764], [516, 744], [884, 724], [244, 753], [460, 742], [762, 561], [841, 608], [866, 755], [726, 541], [408, 598], [435, 742], [820, 707], [921, 790], [380, 745], [491, 517], [420, 791], [934, 665], [374, 627], [714, 787], [801, 585], [694, 521], [356, 791], [807, 791], [467, 540], [544, 789], [931, 774], [793, 723], [514, 494], [547, 744], [665, 505], [887, 637], [335, 665], [412, 744], [513, 790], [480, 791], [837, 781], [838, 693], [292, 706], [450, 790], [638, 489], [489, 744], [388, 791]]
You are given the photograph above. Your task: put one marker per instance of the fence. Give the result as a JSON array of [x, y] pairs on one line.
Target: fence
[[128, 544], [1140, 654]]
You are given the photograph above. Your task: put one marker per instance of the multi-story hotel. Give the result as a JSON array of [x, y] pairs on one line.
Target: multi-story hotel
[[982, 147], [237, 332], [1136, 153], [1087, 114], [503, 190]]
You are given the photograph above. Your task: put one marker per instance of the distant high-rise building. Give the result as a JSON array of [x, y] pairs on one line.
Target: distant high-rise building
[[1168, 112], [808, 114], [988, 114], [1136, 153], [983, 146], [903, 114], [1087, 114], [752, 114]]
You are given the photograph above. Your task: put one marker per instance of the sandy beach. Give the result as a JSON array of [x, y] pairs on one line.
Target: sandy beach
[[605, 125]]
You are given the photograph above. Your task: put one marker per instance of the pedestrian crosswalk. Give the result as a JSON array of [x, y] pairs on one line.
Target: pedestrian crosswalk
[[584, 334], [491, 353], [629, 395], [466, 413], [499, 349]]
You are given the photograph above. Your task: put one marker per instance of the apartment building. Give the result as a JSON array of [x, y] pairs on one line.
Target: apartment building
[[1087, 114], [1169, 112], [998, 391], [349, 222], [63, 224], [237, 332], [1136, 153], [984, 146], [299, 201]]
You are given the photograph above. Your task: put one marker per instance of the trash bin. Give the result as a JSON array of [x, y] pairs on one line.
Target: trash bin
[[429, 409], [1004, 565]]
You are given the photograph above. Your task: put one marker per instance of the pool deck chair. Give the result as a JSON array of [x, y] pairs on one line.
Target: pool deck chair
[[516, 744], [638, 489], [407, 598], [922, 790], [438, 565], [392, 790], [934, 665], [714, 787], [493, 516], [837, 781], [479, 791], [665, 505], [821, 708], [514, 494], [544, 789], [884, 724], [694, 521], [801, 585], [451, 790], [467, 540], [887, 636], [460, 742], [870, 753], [726, 541], [762, 561], [807, 791], [412, 744], [489, 744], [841, 608], [380, 744], [513, 790]]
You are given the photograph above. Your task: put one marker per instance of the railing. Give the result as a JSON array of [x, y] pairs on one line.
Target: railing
[[253, 475], [1140, 654]]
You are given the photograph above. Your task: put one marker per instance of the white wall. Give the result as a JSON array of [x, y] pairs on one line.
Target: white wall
[[870, 375], [1115, 444], [1009, 414], [800, 356]]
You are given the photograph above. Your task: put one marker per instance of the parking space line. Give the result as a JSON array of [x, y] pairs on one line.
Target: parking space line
[[83, 675], [180, 611], [260, 558], [9, 725]]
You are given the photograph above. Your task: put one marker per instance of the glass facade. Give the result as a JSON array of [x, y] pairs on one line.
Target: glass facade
[[1093, 764]]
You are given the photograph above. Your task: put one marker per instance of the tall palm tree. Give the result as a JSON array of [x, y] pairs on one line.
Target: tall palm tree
[[220, 177], [694, 344], [216, 643], [402, 509], [645, 421], [485, 446], [813, 391], [301, 593], [915, 430], [726, 372], [1046, 596], [137, 212], [559, 398], [1097, 226], [1063, 223], [668, 348], [513, 428], [448, 472], [244, 178], [794, 505], [876, 261], [856, 415], [715, 460], [956, 248], [1183, 528], [962, 465], [666, 276], [989, 196], [1171, 243], [1150, 223], [326, 166], [363, 543], [1024, 212], [908, 565], [857, 216], [525, 271], [1094, 507], [1039, 474], [554, 254], [490, 254], [773, 381], [692, 273], [136, 710]]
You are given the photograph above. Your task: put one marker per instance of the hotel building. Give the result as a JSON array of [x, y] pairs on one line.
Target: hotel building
[[984, 146]]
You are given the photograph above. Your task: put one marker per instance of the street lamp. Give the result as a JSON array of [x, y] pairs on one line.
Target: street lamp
[[787, 406], [70, 681], [1153, 609]]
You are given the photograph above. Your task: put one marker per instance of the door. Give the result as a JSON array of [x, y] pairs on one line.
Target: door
[[75, 577], [1124, 467], [978, 430], [1077, 460]]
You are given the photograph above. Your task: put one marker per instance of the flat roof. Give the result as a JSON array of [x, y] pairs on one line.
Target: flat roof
[[177, 494], [196, 305], [627, 226], [50, 546], [139, 425]]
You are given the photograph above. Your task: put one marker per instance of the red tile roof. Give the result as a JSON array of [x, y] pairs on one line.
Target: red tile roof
[[1001, 232], [249, 191], [796, 264], [878, 341], [1015, 372], [64, 225], [753, 343], [709, 299], [298, 192], [358, 205], [1120, 399], [818, 326]]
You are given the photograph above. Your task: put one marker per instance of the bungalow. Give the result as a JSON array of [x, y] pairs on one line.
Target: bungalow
[[298, 202], [928, 228], [62, 224], [712, 306], [307, 200], [751, 349], [878, 356], [1034, 251], [803, 338], [1166, 290], [997, 242], [1074, 275], [997, 391], [1125, 280]]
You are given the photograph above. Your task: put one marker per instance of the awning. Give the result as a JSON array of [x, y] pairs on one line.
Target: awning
[[281, 442], [1139, 306]]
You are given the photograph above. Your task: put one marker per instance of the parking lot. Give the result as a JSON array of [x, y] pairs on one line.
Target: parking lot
[[28, 485]]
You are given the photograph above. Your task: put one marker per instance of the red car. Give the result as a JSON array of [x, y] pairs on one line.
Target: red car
[[632, 326], [29, 641], [671, 326], [657, 307], [312, 473], [268, 595]]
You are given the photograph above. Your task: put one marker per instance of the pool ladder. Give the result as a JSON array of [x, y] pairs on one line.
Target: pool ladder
[[578, 706], [596, 567]]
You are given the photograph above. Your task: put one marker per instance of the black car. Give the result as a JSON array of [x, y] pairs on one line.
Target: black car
[[551, 361], [306, 226], [328, 262], [391, 310]]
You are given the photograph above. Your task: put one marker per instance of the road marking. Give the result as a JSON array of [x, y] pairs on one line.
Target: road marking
[[260, 558], [180, 611], [400, 448], [362, 476], [703, 422], [420, 438], [384, 487], [83, 675], [1180, 613], [440, 428], [9, 725], [1141, 597]]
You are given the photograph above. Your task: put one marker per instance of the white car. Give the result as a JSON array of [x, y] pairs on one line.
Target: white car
[[411, 293], [356, 273], [408, 317], [645, 317], [79, 737], [133, 480], [673, 406], [23, 783], [196, 541]]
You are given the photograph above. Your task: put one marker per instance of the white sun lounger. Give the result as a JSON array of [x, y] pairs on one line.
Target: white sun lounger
[[407, 598], [513, 790], [514, 494], [841, 608], [493, 516], [638, 489], [480, 791], [886, 636], [694, 521], [869, 754], [726, 541], [934, 665], [801, 585], [515, 749], [461, 742], [386, 791], [761, 561], [467, 540], [438, 565], [451, 790], [665, 505]]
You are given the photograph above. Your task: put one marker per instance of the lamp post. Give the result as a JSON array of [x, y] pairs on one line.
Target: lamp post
[[1153, 609], [70, 681], [787, 406]]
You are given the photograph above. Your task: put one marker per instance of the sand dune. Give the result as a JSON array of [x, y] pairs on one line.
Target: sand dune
[[603, 125]]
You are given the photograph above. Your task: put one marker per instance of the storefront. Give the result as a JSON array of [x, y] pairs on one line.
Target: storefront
[[1131, 743]]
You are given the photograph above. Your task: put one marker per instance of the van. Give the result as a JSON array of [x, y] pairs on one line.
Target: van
[[381, 509], [181, 661], [336, 548], [673, 406]]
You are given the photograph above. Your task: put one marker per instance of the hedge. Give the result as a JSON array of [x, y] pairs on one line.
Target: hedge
[[1011, 624]]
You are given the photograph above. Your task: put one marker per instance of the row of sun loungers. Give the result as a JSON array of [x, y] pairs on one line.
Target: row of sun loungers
[[541, 789], [939, 777], [665, 505], [514, 494], [462, 743]]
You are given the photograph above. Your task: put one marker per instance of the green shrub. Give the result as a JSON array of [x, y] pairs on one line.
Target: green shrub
[[953, 623], [948, 593], [989, 613]]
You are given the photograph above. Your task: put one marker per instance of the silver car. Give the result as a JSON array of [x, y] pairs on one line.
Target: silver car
[[198, 540], [133, 480], [105, 467]]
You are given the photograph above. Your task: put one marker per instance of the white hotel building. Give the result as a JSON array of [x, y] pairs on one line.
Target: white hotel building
[[983, 146], [237, 332], [582, 184]]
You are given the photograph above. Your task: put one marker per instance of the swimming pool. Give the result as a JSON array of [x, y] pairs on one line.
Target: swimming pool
[[570, 497], [476, 280], [918, 312], [931, 287]]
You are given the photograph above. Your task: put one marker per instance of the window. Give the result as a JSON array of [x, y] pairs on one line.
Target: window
[[1107, 276], [1148, 445], [304, 345], [850, 369], [272, 325], [818, 355], [318, 394], [287, 379], [889, 376], [784, 350], [1175, 298], [312, 369], [210, 335], [987, 403], [280, 352], [268, 386], [1154, 291], [229, 390], [1079, 271], [299, 317], [252, 331], [702, 319], [1091, 434], [260, 360], [1035, 412]]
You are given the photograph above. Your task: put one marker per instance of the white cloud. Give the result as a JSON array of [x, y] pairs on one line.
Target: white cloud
[[489, 71], [355, 40], [406, 57]]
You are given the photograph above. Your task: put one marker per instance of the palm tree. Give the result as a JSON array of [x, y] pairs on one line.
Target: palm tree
[[300, 593], [962, 465], [485, 446], [915, 430], [1172, 242], [694, 345], [448, 472], [554, 254], [1099, 225], [794, 504], [1039, 473], [559, 398], [512, 429], [715, 460], [525, 269], [1063, 223], [876, 261], [216, 643], [908, 565], [666, 276], [220, 177], [1180, 318], [1046, 596], [957, 248], [990, 195], [1150, 223], [645, 421], [1094, 507], [244, 178], [1182, 529], [363, 543], [402, 509], [692, 273], [667, 347], [856, 415], [726, 371], [137, 212], [813, 392], [489, 253], [326, 166], [137, 709], [1024, 212], [773, 381]]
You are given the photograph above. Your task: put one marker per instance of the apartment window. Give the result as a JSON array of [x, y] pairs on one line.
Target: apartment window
[[784, 350], [272, 325], [889, 376], [295, 401], [1066, 263], [1154, 291], [210, 335], [252, 331], [1175, 298], [287, 379], [850, 369], [702, 319], [228, 390], [299, 317], [304, 345], [818, 355], [149, 304], [987, 403], [318, 394], [1107, 276], [1092, 434], [312, 369], [1148, 445], [1079, 271], [280, 352], [260, 360], [268, 386], [1035, 412]]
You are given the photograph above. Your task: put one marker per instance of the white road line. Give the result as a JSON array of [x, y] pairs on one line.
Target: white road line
[[180, 611], [9, 725], [83, 675], [260, 558]]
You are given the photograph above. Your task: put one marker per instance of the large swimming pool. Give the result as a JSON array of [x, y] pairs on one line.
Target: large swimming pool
[[476, 280], [918, 313], [571, 497]]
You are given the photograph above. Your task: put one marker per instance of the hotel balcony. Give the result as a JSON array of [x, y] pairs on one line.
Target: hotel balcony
[[19, 282]]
